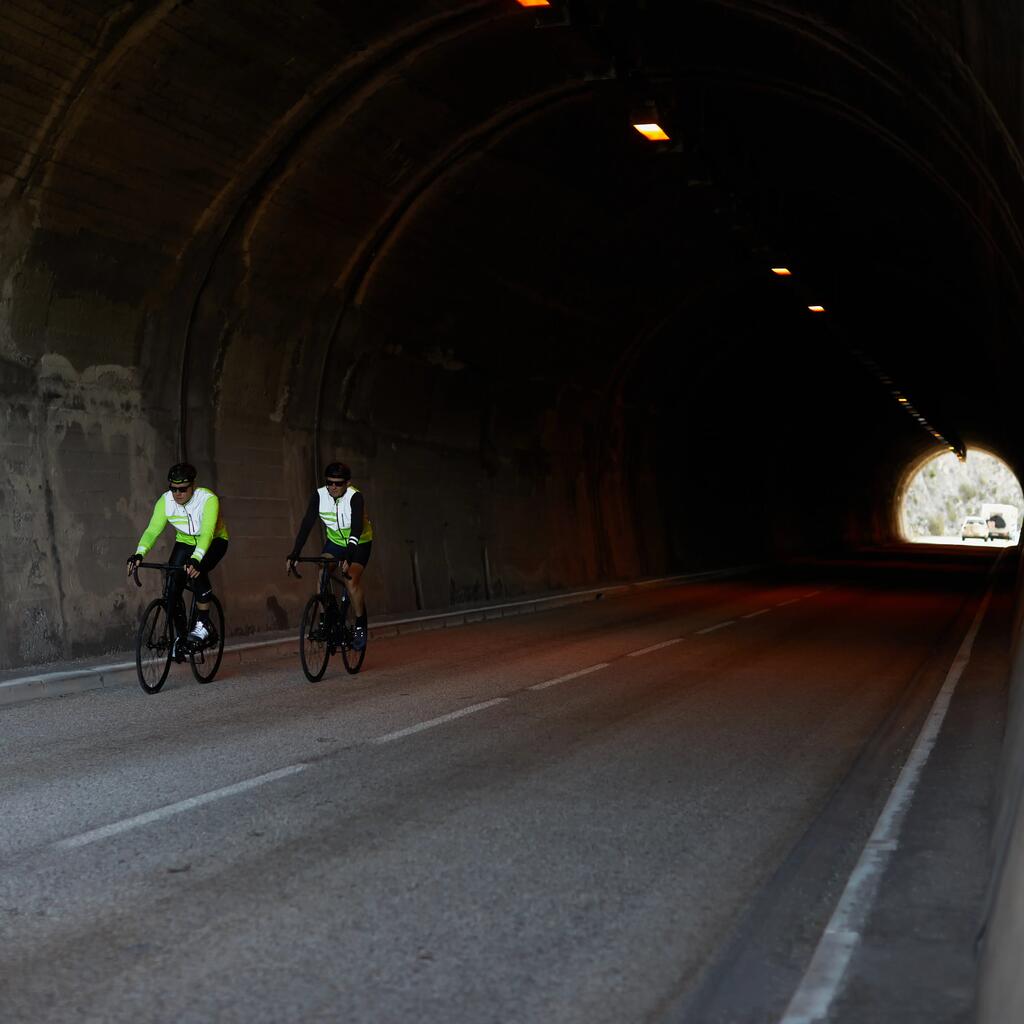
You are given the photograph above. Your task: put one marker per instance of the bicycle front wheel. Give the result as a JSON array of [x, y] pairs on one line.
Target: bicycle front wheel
[[153, 646], [206, 660], [314, 642]]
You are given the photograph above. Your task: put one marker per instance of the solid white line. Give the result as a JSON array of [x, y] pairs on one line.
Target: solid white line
[[654, 647], [571, 675], [792, 600], [825, 974], [717, 625], [182, 805], [754, 615], [813, 593], [440, 720]]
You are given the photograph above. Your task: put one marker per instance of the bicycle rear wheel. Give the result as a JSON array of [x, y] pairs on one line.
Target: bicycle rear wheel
[[314, 642], [153, 646], [206, 660], [351, 658]]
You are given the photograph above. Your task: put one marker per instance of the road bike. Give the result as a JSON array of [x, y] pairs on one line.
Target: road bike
[[328, 625], [157, 643]]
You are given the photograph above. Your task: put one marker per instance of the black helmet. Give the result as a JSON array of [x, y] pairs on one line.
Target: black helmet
[[181, 473], [339, 470]]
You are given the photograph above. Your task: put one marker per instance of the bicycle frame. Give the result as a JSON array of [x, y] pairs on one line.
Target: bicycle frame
[[168, 643], [188, 614], [328, 631]]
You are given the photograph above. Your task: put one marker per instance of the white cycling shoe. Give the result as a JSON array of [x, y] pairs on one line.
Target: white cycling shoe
[[199, 633]]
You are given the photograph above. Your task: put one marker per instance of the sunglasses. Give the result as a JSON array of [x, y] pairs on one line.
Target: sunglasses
[[180, 490], [337, 483]]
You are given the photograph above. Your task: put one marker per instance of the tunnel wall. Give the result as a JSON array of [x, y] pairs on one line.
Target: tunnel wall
[[262, 238]]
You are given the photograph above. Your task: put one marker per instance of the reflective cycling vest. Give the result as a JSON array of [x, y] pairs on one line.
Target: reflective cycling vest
[[337, 517], [195, 523]]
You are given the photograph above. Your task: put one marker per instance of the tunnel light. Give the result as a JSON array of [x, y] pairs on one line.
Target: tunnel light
[[782, 271], [816, 309], [901, 400], [534, 3], [652, 131]]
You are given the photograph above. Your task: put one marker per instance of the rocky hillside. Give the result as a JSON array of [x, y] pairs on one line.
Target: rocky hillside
[[946, 490]]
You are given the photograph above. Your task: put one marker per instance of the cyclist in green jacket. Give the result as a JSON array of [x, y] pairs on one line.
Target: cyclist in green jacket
[[200, 541], [342, 510]]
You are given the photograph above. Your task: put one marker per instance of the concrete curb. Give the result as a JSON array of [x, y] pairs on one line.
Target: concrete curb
[[65, 682]]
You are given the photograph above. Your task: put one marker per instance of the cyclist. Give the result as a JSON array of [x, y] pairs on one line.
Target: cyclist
[[200, 541], [342, 510]]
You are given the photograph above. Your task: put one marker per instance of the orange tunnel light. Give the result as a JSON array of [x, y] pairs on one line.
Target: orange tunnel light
[[782, 271], [534, 3], [816, 309], [654, 132]]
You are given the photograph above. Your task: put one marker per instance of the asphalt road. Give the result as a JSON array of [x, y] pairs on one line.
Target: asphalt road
[[554, 817]]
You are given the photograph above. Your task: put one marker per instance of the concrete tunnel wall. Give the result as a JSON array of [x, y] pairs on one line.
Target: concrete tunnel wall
[[264, 241], [156, 308]]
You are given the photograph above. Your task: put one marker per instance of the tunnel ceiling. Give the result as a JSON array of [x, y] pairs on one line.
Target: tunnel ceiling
[[237, 173], [272, 209]]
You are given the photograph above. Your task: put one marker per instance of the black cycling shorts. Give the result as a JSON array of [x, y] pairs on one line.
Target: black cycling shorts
[[181, 553], [359, 555]]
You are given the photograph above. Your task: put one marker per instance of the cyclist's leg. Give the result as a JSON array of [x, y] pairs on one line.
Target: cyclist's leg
[[332, 550], [200, 586], [358, 560], [357, 590], [179, 555]]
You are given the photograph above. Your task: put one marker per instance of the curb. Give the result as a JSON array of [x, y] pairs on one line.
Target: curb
[[66, 682]]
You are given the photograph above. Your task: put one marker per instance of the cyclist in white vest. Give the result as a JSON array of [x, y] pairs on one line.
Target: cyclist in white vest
[[200, 541], [342, 510]]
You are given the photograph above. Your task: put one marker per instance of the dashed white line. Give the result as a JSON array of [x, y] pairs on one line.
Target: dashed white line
[[828, 966], [654, 647], [754, 615], [717, 625], [440, 720], [792, 600], [566, 678], [813, 593], [127, 824]]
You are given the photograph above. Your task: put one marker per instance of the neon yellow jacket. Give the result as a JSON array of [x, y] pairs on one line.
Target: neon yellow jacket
[[195, 523]]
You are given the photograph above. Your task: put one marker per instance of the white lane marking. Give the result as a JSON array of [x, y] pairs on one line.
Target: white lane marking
[[440, 720], [655, 647], [717, 625], [754, 615], [821, 984], [813, 593], [571, 675], [792, 600], [127, 824]]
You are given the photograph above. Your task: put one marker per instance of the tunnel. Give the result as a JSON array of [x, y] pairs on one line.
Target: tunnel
[[425, 239]]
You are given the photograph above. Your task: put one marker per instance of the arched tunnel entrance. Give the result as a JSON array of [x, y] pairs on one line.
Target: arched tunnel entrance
[[945, 499], [685, 369]]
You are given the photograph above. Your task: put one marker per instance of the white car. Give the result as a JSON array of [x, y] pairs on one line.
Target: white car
[[974, 526]]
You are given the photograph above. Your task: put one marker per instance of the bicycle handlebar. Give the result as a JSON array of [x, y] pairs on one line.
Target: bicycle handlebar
[[153, 565], [319, 559]]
